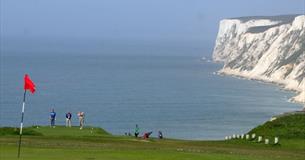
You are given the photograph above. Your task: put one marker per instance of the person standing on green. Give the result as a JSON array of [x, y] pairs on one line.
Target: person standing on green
[[52, 118], [81, 117], [137, 131]]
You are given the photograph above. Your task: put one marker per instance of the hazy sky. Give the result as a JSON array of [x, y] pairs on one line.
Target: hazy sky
[[194, 20]]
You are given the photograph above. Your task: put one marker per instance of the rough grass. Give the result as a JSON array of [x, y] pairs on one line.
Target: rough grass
[[15, 131]]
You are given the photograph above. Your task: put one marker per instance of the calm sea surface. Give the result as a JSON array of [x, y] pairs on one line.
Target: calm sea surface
[[176, 94]]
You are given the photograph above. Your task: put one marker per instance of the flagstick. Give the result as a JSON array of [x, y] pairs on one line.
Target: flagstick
[[21, 123]]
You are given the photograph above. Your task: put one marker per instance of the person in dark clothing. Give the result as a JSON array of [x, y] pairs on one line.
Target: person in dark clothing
[[137, 131], [160, 135], [68, 119]]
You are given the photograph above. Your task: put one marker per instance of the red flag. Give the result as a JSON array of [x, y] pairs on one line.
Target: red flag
[[29, 84]]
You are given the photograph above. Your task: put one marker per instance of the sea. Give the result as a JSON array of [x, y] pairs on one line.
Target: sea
[[168, 89]]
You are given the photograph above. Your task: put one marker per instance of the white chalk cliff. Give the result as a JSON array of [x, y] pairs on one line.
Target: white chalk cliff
[[271, 49]]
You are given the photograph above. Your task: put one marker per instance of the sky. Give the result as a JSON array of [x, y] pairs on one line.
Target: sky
[[169, 20]]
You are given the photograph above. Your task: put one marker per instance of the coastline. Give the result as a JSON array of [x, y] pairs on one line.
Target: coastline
[[272, 55], [298, 98]]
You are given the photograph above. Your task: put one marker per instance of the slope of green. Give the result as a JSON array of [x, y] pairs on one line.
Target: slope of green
[[65, 131], [290, 126]]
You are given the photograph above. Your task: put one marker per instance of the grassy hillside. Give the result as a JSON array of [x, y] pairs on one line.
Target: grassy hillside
[[45, 143], [289, 126]]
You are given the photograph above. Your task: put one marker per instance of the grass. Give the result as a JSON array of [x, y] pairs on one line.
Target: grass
[[15, 131], [292, 126], [44, 143]]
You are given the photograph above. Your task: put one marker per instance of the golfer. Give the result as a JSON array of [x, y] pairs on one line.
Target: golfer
[[68, 119], [52, 118], [81, 117]]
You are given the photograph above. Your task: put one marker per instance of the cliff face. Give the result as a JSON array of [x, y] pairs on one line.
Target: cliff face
[[271, 49]]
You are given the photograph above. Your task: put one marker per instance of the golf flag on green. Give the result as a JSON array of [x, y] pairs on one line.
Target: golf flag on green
[[28, 85]]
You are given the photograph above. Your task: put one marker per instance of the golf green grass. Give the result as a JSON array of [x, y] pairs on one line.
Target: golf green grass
[[45, 143]]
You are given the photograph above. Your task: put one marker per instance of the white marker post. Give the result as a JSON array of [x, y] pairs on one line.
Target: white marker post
[[260, 139], [276, 140], [247, 136], [242, 136]]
